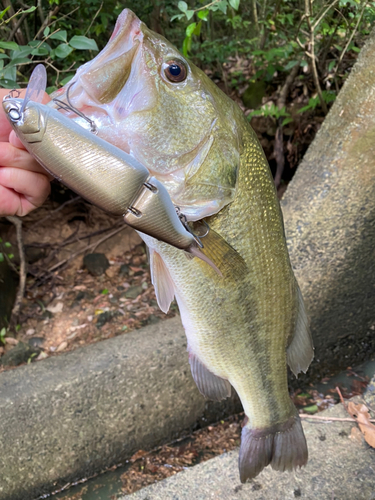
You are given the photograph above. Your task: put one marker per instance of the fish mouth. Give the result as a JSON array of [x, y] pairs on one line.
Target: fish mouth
[[113, 82], [111, 69]]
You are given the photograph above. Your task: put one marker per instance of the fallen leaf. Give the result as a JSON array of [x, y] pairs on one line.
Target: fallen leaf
[[55, 308], [62, 346], [360, 412], [10, 341], [138, 455], [42, 355], [356, 435]]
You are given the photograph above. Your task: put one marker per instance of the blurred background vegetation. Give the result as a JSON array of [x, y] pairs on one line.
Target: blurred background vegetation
[[283, 60]]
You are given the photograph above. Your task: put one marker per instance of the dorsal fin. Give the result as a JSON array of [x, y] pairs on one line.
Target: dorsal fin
[[162, 281], [300, 351]]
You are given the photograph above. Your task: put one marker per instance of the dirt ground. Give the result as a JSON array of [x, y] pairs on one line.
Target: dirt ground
[[65, 306]]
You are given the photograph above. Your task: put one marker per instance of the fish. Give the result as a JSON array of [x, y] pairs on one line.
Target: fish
[[100, 172], [246, 324]]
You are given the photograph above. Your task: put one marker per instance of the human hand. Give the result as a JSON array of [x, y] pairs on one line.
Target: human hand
[[24, 184]]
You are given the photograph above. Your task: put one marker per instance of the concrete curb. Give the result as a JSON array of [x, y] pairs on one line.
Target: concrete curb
[[338, 468], [68, 417]]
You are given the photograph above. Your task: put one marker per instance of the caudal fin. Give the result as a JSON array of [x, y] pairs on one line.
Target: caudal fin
[[282, 446]]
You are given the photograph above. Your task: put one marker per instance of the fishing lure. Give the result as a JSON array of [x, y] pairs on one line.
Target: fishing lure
[[100, 172]]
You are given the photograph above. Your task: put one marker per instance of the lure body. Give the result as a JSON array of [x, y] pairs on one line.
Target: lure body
[[100, 172]]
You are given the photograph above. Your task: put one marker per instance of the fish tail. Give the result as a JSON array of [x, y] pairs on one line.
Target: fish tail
[[283, 446]]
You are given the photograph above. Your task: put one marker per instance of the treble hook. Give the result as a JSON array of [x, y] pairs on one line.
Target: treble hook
[[69, 107], [184, 222]]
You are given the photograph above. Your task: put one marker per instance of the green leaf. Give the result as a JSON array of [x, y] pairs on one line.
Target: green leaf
[[234, 3], [105, 291], [197, 30], [189, 14], [286, 121], [63, 50], [7, 244], [202, 14], [4, 56], [3, 12], [178, 16], [83, 43], [331, 65], [311, 409], [24, 51], [17, 60], [10, 256], [66, 79], [46, 31], [190, 29], [51, 89], [27, 11], [9, 45], [40, 51], [291, 65], [183, 6], [60, 35], [222, 6], [1, 257], [186, 46]]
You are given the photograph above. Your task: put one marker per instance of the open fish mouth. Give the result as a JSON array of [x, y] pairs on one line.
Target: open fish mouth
[[114, 84]]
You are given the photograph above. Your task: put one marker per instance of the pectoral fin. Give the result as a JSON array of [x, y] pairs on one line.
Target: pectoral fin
[[210, 385], [300, 351], [224, 256], [162, 281]]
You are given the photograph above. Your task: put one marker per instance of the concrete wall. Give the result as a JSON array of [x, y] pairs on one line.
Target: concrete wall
[[329, 213]]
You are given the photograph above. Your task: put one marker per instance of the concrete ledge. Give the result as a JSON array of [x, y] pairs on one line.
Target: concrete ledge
[[68, 417], [338, 469]]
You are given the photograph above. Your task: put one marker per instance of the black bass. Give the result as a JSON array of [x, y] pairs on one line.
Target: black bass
[[245, 326]]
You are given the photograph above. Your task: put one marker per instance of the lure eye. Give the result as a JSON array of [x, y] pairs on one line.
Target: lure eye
[[175, 71], [14, 114]]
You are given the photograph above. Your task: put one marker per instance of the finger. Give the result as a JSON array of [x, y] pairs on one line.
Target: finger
[[22, 190], [11, 156]]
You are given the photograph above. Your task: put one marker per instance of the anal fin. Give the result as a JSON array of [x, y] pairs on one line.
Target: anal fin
[[300, 351], [210, 385], [162, 281]]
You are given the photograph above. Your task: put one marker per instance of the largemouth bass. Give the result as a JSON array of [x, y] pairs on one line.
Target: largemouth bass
[[245, 326]]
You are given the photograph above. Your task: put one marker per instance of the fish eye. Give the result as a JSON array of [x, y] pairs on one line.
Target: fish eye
[[175, 71]]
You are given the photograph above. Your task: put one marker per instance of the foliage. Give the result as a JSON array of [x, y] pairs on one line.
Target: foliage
[[6, 252], [3, 334], [271, 110], [321, 38]]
